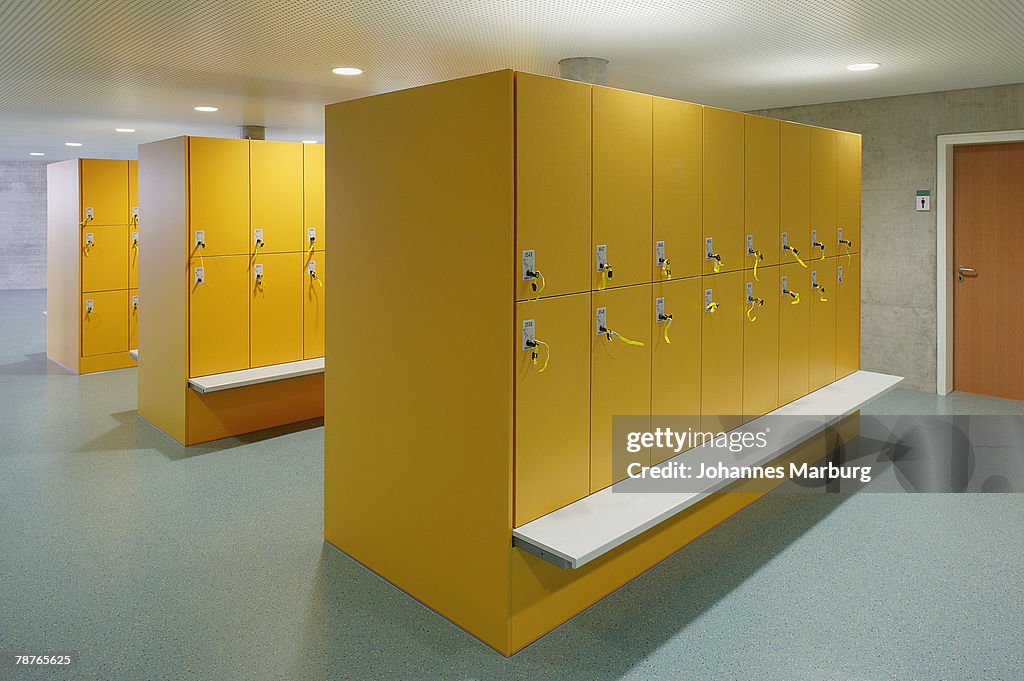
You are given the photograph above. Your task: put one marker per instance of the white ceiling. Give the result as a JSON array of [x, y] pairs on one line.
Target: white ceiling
[[73, 70]]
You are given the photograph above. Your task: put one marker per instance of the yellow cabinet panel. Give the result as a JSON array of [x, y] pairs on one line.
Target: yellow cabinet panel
[[823, 192], [723, 189], [218, 181], [721, 375], [133, 193], [678, 141], [795, 190], [620, 375], [822, 301], [314, 286], [104, 192], [133, 256], [848, 186], [761, 342], [552, 428], [104, 322], [847, 315], [761, 191], [313, 196], [622, 185], [104, 258], [276, 183], [276, 284], [133, 319], [553, 185], [218, 329], [675, 361], [794, 320]]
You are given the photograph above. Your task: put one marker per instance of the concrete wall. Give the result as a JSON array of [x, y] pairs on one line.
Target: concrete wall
[[22, 225], [898, 310]]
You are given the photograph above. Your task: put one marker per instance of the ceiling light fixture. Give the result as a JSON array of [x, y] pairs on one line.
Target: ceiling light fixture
[[124, 129], [36, 153], [310, 142], [346, 71], [205, 109], [866, 66], [72, 144]]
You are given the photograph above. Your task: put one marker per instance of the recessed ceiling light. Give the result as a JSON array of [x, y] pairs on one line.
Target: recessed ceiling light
[[205, 109], [867, 66], [36, 153], [124, 129], [347, 71], [310, 142], [72, 144]]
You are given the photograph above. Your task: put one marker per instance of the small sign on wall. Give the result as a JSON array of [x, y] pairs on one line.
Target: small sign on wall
[[924, 200]]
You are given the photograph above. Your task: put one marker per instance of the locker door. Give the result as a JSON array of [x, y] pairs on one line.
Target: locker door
[[822, 303], [848, 186], [794, 329], [133, 319], [795, 190], [218, 322], [552, 459], [675, 361], [133, 256], [314, 287], [218, 181], [678, 141], [723, 189], [104, 258], [104, 323], [623, 186], [133, 193], [553, 185], [761, 191], [275, 313], [620, 375], [823, 192], [313, 196], [847, 315], [761, 343], [276, 196], [721, 375], [104, 192]]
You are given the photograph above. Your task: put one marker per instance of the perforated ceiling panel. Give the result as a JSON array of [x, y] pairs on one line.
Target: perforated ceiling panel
[[72, 70]]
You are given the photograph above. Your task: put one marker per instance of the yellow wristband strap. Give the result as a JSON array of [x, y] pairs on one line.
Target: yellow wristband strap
[[718, 264], [758, 257], [753, 304], [543, 283], [627, 341], [711, 307], [668, 325], [547, 355]]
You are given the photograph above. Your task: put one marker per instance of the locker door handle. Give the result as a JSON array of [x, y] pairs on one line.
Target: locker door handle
[[961, 271]]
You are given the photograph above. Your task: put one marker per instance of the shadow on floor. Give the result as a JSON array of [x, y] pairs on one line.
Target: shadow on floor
[[134, 432], [34, 364]]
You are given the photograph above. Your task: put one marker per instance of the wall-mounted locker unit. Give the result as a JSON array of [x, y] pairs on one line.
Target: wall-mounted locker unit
[[847, 315], [821, 301], [502, 401], [91, 217], [133, 319], [232, 328], [622, 188], [848, 192], [824, 172]]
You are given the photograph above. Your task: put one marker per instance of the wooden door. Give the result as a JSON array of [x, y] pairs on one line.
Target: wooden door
[[988, 238]]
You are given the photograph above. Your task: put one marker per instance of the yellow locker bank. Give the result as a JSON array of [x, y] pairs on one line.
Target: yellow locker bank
[[529, 257]]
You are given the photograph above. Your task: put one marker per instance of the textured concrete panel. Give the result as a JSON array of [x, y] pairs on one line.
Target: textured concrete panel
[[22, 225]]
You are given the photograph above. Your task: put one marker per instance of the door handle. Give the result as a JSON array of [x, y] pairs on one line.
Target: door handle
[[961, 271]]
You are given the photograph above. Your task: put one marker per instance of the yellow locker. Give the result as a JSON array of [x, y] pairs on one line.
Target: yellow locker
[[847, 315], [723, 191], [218, 326], [104, 323], [620, 375], [133, 256], [314, 287], [794, 192], [276, 197], [104, 258], [678, 141], [553, 186], [218, 181], [823, 192], [552, 394], [104, 192], [675, 357], [133, 319], [721, 374], [794, 326], [848, 185], [761, 192], [133, 193], [275, 328], [622, 229], [822, 301], [313, 197], [761, 342]]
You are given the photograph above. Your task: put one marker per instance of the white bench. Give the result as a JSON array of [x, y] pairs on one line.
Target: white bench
[[246, 377]]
